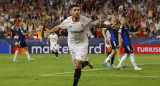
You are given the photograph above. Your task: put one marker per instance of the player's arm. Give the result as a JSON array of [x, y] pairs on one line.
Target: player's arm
[[119, 36], [104, 35], [101, 25], [120, 39], [56, 28], [23, 33], [48, 40], [57, 41]]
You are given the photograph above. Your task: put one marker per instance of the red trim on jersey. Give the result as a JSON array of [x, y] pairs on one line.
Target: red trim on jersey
[[76, 21]]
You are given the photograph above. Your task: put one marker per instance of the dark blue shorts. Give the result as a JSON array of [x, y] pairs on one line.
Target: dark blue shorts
[[115, 45], [128, 49], [21, 44]]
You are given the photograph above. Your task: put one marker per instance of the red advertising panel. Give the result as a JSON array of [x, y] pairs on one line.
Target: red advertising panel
[[143, 49], [146, 48]]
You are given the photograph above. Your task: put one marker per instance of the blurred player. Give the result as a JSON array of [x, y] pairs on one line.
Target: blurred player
[[53, 43], [107, 35], [124, 34], [22, 43], [114, 41], [77, 27]]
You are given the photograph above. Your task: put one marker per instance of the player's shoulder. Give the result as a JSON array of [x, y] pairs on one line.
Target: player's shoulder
[[56, 34], [68, 19], [83, 17], [49, 35]]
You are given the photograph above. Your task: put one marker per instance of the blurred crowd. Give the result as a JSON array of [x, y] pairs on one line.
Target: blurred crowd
[[41, 15]]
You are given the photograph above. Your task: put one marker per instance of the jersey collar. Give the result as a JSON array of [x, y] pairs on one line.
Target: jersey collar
[[76, 21]]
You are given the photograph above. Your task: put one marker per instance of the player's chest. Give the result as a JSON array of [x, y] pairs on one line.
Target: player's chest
[[125, 29], [78, 26]]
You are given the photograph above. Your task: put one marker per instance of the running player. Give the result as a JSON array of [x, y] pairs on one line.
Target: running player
[[124, 34], [77, 27], [22, 43], [53, 43], [107, 35]]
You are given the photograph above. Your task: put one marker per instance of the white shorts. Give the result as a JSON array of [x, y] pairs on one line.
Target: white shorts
[[53, 46], [78, 53], [108, 45]]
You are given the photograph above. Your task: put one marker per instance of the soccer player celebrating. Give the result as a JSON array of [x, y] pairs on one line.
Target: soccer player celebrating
[[53, 43], [124, 36], [22, 43], [77, 27], [107, 36]]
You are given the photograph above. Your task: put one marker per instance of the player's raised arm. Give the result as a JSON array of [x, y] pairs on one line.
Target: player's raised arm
[[56, 28], [101, 25]]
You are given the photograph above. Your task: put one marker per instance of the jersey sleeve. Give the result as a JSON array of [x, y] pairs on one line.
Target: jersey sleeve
[[93, 22], [63, 25], [49, 36], [120, 29], [21, 30], [90, 22]]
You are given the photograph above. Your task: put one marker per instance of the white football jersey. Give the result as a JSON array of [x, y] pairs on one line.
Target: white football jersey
[[77, 31], [107, 32], [53, 38]]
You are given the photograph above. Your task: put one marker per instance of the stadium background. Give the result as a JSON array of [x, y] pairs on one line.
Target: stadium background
[[144, 16], [41, 15], [96, 46]]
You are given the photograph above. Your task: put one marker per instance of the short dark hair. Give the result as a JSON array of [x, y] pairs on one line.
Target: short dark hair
[[74, 5]]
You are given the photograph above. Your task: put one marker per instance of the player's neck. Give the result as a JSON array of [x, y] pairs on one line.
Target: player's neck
[[75, 19]]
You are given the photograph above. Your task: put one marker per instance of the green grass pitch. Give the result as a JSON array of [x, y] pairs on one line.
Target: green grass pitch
[[47, 71]]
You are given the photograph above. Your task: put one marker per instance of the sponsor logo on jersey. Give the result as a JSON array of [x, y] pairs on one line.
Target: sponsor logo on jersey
[[77, 31]]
